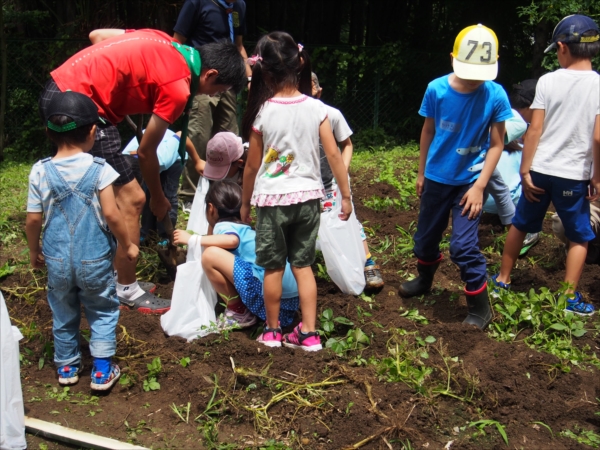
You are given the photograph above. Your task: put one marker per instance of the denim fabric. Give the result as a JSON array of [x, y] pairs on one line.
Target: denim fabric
[[436, 203], [79, 253], [500, 192], [169, 180]]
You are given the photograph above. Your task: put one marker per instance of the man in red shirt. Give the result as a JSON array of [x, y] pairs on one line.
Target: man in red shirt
[[140, 72]]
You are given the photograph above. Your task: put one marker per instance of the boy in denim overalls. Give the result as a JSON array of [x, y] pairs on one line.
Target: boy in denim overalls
[[72, 196]]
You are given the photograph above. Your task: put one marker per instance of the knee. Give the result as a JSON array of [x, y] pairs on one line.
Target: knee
[[209, 256]]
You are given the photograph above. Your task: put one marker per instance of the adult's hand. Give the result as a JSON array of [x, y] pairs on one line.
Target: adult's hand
[[160, 206]]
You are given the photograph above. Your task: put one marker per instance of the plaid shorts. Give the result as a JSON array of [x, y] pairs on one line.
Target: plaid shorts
[[108, 140]]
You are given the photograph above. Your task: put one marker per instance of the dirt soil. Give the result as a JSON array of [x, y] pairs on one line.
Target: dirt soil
[[509, 383]]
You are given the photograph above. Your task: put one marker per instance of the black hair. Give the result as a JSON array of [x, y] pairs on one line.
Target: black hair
[[224, 57], [226, 197], [279, 66], [523, 94], [585, 50], [70, 138]]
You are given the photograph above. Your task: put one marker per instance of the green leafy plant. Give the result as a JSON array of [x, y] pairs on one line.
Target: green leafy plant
[[481, 424], [328, 322], [551, 329], [185, 361], [154, 369], [354, 340], [413, 314]]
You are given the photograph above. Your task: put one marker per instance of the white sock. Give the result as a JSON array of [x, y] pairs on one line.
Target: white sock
[[129, 291]]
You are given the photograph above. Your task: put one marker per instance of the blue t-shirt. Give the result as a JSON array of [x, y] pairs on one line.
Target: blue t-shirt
[[462, 129], [166, 152], [206, 21], [246, 250]]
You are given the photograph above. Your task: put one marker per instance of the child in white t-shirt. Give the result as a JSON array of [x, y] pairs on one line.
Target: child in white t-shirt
[[560, 145], [282, 179], [342, 132]]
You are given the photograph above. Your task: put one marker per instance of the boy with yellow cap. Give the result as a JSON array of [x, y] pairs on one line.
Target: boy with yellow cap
[[461, 141]]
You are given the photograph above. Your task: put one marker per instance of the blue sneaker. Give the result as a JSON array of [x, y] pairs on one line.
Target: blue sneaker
[[68, 374], [497, 285], [576, 305], [104, 374]]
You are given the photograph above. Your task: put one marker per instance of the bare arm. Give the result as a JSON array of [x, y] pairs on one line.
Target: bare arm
[[193, 154], [179, 37], [427, 134], [115, 221], [532, 139], [104, 33], [240, 46], [347, 149], [155, 131], [334, 158], [595, 183], [33, 229], [252, 165], [473, 198], [226, 241]]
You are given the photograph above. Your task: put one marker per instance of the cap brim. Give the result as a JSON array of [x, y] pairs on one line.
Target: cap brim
[[216, 173], [480, 72], [550, 47]]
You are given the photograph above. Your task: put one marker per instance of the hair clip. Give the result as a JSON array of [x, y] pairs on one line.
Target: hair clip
[[300, 47], [253, 59]]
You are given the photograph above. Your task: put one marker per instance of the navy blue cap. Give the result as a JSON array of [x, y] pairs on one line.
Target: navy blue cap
[[572, 28]]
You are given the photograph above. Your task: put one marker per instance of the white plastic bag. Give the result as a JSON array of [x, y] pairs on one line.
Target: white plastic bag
[[198, 222], [192, 313], [12, 414], [343, 250]]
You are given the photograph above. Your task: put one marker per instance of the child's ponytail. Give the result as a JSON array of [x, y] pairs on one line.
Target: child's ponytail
[[278, 63]]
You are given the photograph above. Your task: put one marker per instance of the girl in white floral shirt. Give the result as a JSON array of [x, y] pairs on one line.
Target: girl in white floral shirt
[[283, 180]]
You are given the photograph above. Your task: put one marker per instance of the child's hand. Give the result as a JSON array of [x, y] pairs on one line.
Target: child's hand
[[473, 202], [346, 209], [594, 190], [530, 190], [37, 259], [200, 167], [245, 214], [181, 237], [420, 184], [132, 252]]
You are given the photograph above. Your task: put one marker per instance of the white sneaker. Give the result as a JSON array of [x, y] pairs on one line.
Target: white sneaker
[[231, 319]]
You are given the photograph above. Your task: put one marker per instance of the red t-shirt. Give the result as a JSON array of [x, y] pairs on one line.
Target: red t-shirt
[[139, 72]]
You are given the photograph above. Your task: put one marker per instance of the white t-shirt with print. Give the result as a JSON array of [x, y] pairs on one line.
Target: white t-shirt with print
[[571, 101], [290, 132], [341, 131], [72, 169]]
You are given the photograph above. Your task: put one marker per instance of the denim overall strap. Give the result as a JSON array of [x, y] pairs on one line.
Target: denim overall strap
[[60, 189]]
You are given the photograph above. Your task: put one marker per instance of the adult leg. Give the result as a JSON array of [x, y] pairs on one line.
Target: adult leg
[[170, 184], [199, 131], [225, 114]]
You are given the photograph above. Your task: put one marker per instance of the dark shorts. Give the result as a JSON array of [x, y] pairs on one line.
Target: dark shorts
[[108, 140], [568, 197], [287, 233]]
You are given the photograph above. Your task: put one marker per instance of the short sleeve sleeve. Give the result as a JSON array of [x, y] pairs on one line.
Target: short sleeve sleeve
[[34, 195], [225, 228], [515, 128], [239, 23], [341, 129], [186, 19], [257, 126], [428, 104], [502, 111], [539, 101], [171, 99], [107, 177]]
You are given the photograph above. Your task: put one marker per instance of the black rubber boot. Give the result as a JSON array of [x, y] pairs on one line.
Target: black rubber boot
[[480, 310], [423, 282]]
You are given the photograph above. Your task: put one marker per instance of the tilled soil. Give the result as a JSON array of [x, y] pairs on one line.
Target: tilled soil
[[506, 382]]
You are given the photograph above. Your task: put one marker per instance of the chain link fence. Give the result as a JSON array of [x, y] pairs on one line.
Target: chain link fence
[[379, 90]]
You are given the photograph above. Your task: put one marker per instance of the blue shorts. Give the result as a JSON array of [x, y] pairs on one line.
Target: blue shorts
[[250, 289], [568, 197]]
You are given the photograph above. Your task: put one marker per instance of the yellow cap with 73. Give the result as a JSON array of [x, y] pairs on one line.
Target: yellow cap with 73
[[475, 54]]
